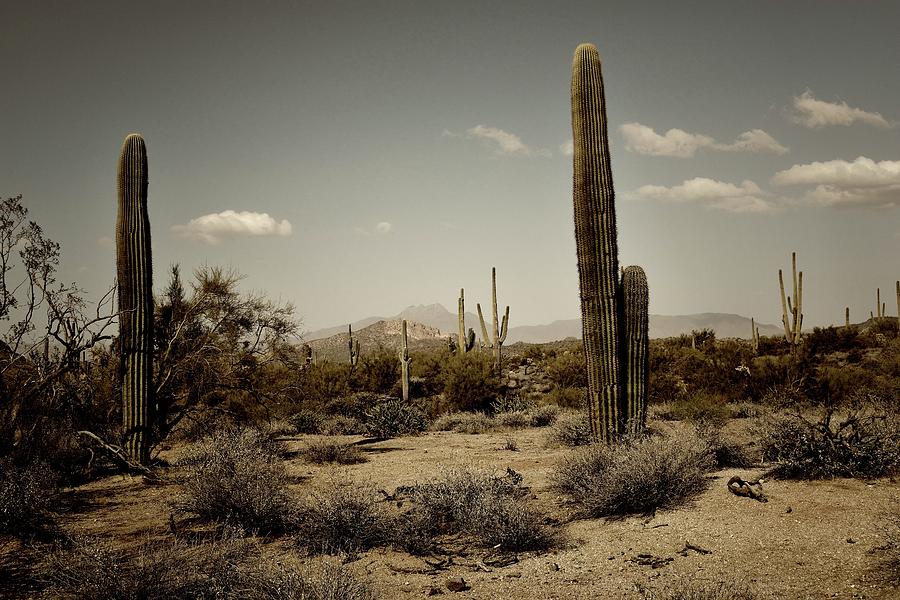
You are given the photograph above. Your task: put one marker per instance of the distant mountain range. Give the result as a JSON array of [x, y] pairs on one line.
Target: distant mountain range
[[443, 323]]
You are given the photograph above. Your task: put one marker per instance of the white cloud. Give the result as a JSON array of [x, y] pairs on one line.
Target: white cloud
[[503, 142], [215, 227], [814, 114], [744, 198], [380, 228], [862, 182], [567, 148], [682, 144]]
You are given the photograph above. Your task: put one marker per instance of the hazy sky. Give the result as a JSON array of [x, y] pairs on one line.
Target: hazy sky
[[374, 154]]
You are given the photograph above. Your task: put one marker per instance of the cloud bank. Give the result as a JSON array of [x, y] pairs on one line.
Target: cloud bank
[[744, 198], [228, 224], [815, 114], [502, 143], [840, 183], [682, 144]]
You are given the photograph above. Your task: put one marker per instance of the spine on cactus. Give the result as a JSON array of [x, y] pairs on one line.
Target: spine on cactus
[[404, 362], [135, 288], [595, 237], [635, 348]]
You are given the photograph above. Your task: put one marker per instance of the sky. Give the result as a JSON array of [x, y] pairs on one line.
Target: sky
[[355, 158]]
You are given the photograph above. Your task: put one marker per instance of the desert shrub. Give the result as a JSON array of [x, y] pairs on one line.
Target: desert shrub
[[664, 411], [278, 428], [236, 477], [26, 495], [230, 568], [544, 415], [377, 371], [428, 367], [490, 509], [702, 407], [341, 425], [463, 422], [636, 476], [890, 551], [726, 453], [864, 444], [469, 382], [354, 405], [392, 418], [567, 370], [330, 451], [318, 384], [828, 340], [567, 397], [510, 403], [343, 518], [306, 421], [572, 430], [688, 589], [513, 420]]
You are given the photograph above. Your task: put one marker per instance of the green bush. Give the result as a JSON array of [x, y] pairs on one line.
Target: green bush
[[470, 383], [306, 421], [378, 372], [703, 407], [568, 370], [567, 397]]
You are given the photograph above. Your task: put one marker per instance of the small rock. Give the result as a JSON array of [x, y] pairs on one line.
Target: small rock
[[434, 591], [851, 541], [789, 510], [457, 584]]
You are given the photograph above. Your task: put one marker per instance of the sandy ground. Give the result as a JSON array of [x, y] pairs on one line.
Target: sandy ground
[[811, 540]]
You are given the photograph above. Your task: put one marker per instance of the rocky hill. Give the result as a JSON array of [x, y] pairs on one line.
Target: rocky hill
[[380, 334]]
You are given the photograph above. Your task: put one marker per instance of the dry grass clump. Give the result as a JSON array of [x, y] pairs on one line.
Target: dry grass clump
[[332, 451], [636, 476], [686, 589], [463, 422], [306, 421], [571, 430], [222, 570], [726, 453], [343, 518], [864, 444], [26, 494], [492, 510], [237, 477], [544, 415], [518, 419]]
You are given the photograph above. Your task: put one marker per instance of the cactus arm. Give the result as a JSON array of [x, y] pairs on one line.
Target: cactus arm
[[635, 348], [470, 340], [484, 333], [784, 307], [878, 302], [505, 327], [461, 325]]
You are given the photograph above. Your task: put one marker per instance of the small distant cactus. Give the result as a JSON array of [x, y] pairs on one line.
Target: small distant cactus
[[352, 348], [754, 336], [897, 285], [879, 307], [792, 315], [498, 330], [134, 269], [465, 343], [404, 362], [847, 316]]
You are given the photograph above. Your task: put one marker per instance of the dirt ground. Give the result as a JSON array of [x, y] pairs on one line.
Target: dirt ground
[[810, 540]]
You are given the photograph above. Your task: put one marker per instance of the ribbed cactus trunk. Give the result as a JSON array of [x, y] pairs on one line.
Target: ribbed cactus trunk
[[498, 329], [595, 237], [135, 289], [635, 348], [404, 363]]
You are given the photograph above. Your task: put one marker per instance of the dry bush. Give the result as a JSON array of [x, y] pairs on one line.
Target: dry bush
[[393, 418], [492, 510], [513, 420], [341, 425], [864, 444], [567, 397], [889, 564], [702, 407], [571, 430], [331, 451], [237, 477], [544, 415], [463, 422], [227, 569], [26, 495], [343, 518], [276, 428], [636, 476], [470, 382], [726, 453]]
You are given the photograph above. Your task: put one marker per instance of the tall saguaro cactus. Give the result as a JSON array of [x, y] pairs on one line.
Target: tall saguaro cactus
[[352, 348], [635, 348], [879, 307], [404, 362], [754, 336], [792, 314], [498, 330], [135, 288], [596, 243], [464, 342]]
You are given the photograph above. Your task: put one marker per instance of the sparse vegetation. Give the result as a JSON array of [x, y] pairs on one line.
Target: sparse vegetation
[[331, 451], [392, 418], [571, 430], [26, 498]]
